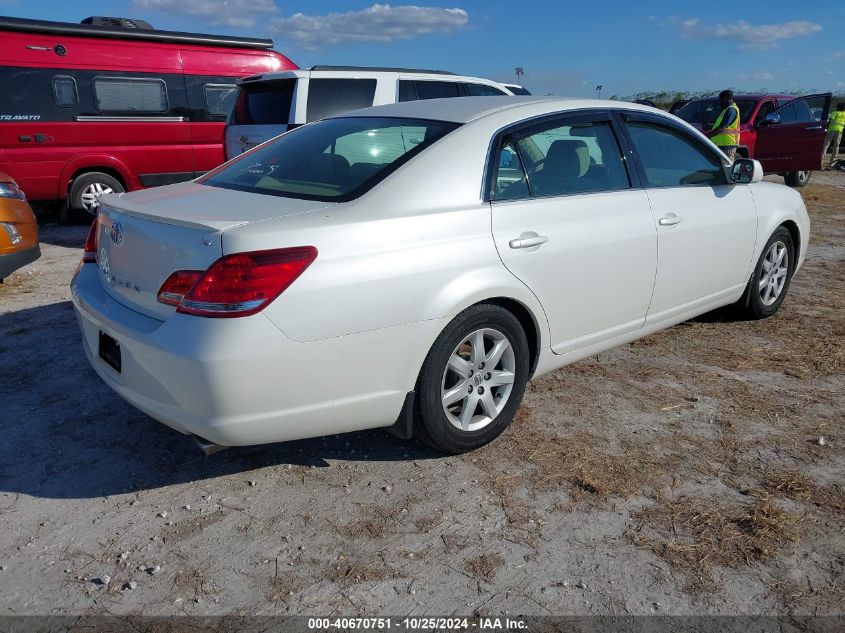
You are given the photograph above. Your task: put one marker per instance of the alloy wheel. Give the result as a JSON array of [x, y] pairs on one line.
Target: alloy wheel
[[91, 194], [773, 273], [478, 379]]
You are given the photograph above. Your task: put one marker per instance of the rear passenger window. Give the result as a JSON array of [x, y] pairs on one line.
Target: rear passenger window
[[264, 103], [482, 90], [436, 89], [65, 94], [565, 159], [118, 94], [219, 98], [511, 183], [671, 159], [328, 97]]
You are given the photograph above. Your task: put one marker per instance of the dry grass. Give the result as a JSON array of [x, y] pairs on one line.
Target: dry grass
[[351, 572], [797, 486], [484, 566], [696, 535]]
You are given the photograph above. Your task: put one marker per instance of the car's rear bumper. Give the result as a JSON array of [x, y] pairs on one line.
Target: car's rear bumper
[[241, 381], [10, 262]]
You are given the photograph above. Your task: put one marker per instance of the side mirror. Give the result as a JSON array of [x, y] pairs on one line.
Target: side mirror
[[745, 171], [772, 118]]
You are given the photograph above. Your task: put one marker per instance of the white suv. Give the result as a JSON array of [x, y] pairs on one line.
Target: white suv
[[275, 102]]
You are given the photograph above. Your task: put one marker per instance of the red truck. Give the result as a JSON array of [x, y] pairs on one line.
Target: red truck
[[112, 104], [785, 133]]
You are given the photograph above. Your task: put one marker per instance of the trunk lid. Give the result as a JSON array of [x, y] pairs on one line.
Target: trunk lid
[[146, 236]]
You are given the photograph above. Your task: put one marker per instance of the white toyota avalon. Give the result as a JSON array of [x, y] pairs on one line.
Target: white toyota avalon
[[414, 265]]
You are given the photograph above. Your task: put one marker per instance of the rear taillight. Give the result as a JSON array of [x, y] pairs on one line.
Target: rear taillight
[[236, 285], [89, 253], [174, 289]]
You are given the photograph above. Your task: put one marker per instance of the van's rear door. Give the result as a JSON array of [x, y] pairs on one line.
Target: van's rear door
[[262, 110], [795, 142]]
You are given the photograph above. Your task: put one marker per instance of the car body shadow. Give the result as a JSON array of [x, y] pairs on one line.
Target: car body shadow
[[68, 436]]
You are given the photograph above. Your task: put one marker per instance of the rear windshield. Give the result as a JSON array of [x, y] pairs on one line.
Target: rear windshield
[[264, 103], [708, 110], [332, 160]]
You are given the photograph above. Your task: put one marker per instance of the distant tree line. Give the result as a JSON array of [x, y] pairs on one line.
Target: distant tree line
[[664, 99]]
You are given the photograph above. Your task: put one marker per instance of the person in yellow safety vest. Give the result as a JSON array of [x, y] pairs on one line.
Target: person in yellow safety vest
[[725, 131], [835, 125]]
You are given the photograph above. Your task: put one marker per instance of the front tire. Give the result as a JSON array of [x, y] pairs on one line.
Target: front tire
[[797, 178], [472, 381], [770, 280]]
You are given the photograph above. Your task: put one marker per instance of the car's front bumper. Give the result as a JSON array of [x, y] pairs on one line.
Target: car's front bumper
[[10, 262], [241, 381]]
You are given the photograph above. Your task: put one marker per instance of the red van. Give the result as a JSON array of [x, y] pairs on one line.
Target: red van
[[784, 132], [112, 104]]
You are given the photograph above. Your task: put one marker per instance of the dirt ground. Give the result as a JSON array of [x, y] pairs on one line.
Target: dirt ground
[[681, 474]]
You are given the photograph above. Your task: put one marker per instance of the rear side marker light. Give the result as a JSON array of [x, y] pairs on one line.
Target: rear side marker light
[[89, 253], [236, 285]]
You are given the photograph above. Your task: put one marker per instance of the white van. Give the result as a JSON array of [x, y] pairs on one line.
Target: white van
[[274, 102]]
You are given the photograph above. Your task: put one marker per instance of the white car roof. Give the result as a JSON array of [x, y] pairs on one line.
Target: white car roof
[[367, 72], [466, 109]]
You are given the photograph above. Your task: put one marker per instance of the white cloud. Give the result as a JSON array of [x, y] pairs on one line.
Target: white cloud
[[233, 13], [378, 23], [745, 34]]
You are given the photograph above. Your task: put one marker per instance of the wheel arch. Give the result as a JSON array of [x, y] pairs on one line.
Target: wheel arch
[[529, 325], [85, 164], [795, 232]]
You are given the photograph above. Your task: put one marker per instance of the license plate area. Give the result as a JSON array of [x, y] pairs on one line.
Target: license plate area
[[110, 351]]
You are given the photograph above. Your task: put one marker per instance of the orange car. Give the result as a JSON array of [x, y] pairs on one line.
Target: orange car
[[18, 229]]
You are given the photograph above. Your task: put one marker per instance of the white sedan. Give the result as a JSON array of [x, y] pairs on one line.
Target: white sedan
[[414, 265]]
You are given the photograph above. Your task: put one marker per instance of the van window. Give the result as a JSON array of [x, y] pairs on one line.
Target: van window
[[264, 103], [219, 98], [65, 94], [436, 89], [483, 90], [119, 94], [328, 97]]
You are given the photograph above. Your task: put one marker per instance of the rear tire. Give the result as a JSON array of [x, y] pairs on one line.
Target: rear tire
[[770, 280], [87, 188], [797, 178], [472, 381]]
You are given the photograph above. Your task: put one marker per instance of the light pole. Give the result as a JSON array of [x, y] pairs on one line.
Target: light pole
[[520, 71], [598, 91]]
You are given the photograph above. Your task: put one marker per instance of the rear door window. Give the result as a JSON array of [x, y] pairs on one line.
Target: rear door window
[[328, 97], [568, 159], [264, 103], [123, 94]]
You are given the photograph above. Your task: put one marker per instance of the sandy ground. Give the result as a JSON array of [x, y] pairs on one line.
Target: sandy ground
[[680, 474]]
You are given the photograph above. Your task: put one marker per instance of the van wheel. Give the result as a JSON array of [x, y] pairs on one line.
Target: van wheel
[[797, 178], [472, 380], [87, 188]]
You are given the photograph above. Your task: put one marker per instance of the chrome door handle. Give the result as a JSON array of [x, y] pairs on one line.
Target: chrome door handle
[[528, 242], [814, 127], [670, 219]]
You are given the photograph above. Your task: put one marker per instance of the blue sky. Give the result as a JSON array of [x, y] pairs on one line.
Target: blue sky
[[566, 47]]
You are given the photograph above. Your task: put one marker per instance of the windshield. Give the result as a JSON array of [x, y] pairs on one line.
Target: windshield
[[705, 111], [332, 160]]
